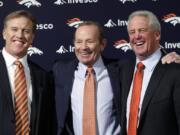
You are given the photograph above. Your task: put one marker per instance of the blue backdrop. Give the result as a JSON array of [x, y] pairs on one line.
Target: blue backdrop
[[58, 19]]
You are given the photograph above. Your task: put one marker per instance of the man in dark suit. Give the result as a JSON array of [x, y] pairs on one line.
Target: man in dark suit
[[158, 103], [70, 79], [18, 33]]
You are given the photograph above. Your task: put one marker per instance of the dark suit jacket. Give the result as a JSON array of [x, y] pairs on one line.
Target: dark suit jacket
[[160, 114], [41, 121], [64, 77]]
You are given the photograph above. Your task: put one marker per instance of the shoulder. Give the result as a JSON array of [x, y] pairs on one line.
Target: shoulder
[[38, 72], [173, 67], [125, 63], [109, 62], [39, 75], [64, 64], [61, 62], [35, 67], [2, 60], [64, 67]]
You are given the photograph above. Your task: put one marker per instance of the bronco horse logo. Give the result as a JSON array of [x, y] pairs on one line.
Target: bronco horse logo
[[34, 50], [171, 18], [29, 3], [123, 45]]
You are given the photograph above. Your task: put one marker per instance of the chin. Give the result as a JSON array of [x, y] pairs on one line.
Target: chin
[[85, 62]]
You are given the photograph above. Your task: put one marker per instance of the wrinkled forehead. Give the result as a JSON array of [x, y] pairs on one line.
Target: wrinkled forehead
[[138, 22]]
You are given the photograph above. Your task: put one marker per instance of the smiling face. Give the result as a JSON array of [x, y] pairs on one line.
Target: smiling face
[[18, 35], [88, 46], [143, 38]]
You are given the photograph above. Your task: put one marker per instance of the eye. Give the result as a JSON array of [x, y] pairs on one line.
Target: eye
[[131, 32], [27, 31], [78, 42], [90, 42], [143, 30], [14, 29]]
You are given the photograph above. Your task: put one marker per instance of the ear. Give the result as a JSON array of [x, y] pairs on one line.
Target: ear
[[32, 38], [4, 34], [157, 36], [103, 44]]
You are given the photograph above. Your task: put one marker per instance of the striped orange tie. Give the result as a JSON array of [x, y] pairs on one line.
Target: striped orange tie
[[135, 99], [89, 115], [21, 101]]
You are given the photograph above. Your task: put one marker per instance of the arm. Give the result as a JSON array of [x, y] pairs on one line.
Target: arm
[[176, 96]]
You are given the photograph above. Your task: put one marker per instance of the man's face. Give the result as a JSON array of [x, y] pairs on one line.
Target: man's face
[[143, 38], [88, 47], [18, 35]]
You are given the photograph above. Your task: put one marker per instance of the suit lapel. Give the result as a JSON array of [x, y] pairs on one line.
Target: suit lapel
[[126, 74], [112, 71], [35, 97], [152, 87], [70, 73], [5, 84], [114, 78], [128, 77]]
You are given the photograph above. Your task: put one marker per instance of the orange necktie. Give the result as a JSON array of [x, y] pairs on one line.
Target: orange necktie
[[21, 100], [89, 116], [135, 99]]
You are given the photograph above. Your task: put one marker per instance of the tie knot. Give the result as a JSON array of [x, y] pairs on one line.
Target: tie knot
[[18, 63], [90, 70], [140, 66]]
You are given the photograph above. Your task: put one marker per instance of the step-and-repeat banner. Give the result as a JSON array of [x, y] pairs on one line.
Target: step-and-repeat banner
[[58, 19]]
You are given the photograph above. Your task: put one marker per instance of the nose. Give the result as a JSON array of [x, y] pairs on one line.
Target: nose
[[19, 34], [84, 45], [137, 35]]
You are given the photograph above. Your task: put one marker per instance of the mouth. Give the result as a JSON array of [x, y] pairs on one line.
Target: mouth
[[139, 43], [19, 42], [85, 54]]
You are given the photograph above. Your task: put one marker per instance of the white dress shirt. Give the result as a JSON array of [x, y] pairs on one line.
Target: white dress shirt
[[9, 60], [106, 120], [150, 63]]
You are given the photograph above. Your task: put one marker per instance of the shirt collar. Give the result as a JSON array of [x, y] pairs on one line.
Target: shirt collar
[[98, 67], [151, 61], [9, 59]]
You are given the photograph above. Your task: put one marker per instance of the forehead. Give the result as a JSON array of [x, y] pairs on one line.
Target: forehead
[[138, 21], [88, 30], [20, 20]]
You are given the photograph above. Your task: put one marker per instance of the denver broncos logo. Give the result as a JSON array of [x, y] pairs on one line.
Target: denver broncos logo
[[34, 50], [1, 3], [123, 45], [29, 3], [171, 18], [60, 2], [74, 22], [123, 1]]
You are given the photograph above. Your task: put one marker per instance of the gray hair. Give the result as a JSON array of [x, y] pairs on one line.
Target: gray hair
[[153, 21]]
